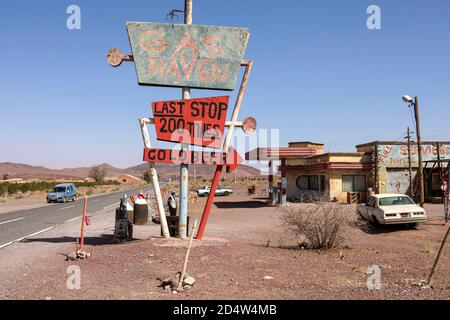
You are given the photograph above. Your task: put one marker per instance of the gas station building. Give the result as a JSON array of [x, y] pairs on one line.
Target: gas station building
[[309, 174]]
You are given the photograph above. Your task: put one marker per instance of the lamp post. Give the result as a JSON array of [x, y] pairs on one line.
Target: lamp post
[[415, 102]]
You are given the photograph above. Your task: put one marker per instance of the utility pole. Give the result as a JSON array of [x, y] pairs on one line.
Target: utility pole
[[419, 146], [411, 187], [184, 168]]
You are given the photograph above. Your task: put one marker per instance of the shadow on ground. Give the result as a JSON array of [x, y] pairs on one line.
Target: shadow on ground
[[240, 204], [92, 241], [373, 228]]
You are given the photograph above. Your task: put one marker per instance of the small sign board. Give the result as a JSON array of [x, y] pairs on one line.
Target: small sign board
[[232, 159], [199, 122], [180, 55]]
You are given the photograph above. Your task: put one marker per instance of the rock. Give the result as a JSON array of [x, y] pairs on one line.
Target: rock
[[268, 278], [189, 281], [71, 256]]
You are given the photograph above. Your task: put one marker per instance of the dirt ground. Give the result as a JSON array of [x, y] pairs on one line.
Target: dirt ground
[[259, 246]]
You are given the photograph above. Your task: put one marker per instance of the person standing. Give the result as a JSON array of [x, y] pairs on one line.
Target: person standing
[[172, 204]]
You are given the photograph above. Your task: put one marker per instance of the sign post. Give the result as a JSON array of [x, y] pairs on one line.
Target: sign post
[[248, 69], [189, 56], [184, 168]]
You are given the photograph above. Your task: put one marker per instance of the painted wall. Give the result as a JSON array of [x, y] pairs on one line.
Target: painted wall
[[396, 156], [333, 183]]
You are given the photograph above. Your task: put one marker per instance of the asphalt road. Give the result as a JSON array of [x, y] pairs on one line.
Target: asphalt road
[[17, 225]]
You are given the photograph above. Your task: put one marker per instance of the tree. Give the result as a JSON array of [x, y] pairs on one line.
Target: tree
[[97, 173], [6, 176], [147, 176]]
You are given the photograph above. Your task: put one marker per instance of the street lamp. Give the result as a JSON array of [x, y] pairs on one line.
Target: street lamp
[[415, 102]]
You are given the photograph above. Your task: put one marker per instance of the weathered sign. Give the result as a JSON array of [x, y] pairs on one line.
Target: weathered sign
[[231, 159], [199, 122], [396, 156], [181, 55]]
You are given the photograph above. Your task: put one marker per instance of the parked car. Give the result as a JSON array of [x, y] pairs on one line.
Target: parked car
[[62, 193], [205, 191], [392, 209]]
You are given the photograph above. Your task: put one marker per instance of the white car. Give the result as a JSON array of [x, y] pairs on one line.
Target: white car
[[205, 191], [392, 209]]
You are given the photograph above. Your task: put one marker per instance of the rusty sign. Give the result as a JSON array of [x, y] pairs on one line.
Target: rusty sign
[[199, 122], [231, 159], [181, 55]]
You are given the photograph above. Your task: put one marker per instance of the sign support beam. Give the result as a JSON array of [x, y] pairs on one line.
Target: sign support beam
[[184, 168], [155, 182], [248, 69]]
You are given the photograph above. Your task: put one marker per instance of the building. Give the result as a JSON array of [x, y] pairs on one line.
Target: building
[[308, 173]]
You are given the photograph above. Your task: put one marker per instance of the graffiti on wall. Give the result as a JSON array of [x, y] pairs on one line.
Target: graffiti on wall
[[396, 156]]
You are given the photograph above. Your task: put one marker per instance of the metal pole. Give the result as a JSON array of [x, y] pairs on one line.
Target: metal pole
[[270, 182], [283, 199], [411, 188], [184, 168], [155, 181], [438, 258], [83, 219], [248, 68], [419, 146]]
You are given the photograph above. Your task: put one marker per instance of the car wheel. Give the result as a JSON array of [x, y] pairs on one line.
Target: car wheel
[[226, 194], [206, 195], [74, 199], [64, 200]]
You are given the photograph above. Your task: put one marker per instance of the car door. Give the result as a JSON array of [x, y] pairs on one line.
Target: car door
[[366, 210], [371, 206], [219, 191]]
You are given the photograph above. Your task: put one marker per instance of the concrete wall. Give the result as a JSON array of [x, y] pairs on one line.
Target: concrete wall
[[333, 183]]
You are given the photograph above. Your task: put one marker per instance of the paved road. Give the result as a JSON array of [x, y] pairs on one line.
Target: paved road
[[14, 226]]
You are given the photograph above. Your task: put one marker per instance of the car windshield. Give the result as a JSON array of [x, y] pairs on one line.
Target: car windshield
[[59, 189], [395, 201]]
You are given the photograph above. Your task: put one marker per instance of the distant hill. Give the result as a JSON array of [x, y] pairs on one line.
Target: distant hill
[[165, 171]]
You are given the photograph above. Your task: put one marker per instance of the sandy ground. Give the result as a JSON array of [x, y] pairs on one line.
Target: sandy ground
[[259, 246]]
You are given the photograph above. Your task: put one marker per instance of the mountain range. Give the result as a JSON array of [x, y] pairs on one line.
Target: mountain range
[[165, 171]]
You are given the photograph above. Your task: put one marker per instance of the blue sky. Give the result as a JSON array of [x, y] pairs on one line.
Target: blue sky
[[320, 74]]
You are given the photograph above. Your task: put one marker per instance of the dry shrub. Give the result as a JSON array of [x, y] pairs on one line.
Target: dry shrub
[[320, 223]]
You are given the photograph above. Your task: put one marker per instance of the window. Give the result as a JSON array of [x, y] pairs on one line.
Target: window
[[315, 183], [436, 182], [354, 183], [395, 201], [303, 182]]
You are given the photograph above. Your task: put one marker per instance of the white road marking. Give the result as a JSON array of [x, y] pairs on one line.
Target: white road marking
[[115, 204], [28, 236], [73, 219], [65, 208], [5, 222]]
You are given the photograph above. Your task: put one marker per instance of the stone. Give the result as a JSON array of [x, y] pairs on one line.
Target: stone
[[189, 281], [268, 278]]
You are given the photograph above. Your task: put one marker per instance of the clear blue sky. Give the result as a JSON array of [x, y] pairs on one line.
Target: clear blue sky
[[319, 74]]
